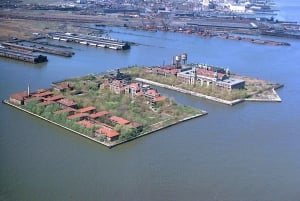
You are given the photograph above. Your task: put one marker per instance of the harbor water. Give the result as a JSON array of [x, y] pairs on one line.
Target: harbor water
[[249, 151]]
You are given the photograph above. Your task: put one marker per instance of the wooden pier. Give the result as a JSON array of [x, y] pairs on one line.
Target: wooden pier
[[96, 41]]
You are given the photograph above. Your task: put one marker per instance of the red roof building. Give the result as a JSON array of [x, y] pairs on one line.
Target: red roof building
[[119, 120], [67, 103], [86, 123], [79, 116], [64, 86], [109, 133], [134, 89], [99, 114], [68, 110], [44, 94], [89, 109], [117, 86], [54, 98], [18, 98]]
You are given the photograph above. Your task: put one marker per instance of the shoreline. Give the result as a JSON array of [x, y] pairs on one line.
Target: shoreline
[[219, 100], [108, 145]]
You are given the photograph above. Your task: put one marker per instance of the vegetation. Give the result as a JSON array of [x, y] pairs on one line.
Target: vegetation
[[173, 81], [94, 90], [253, 86]]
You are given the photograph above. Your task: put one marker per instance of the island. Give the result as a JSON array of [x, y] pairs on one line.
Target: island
[[119, 106], [110, 108], [207, 81]]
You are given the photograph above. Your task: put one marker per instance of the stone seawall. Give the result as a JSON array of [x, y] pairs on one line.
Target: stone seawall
[[112, 144], [191, 92]]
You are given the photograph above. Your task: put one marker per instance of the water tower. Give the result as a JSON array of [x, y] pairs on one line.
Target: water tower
[[178, 60], [184, 58]]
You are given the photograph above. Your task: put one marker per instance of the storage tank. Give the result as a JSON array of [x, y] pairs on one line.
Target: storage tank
[[184, 57]]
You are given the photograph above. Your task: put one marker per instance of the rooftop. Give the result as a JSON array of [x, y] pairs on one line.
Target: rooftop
[[119, 120]]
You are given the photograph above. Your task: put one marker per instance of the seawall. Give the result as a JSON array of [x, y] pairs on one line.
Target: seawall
[[112, 144], [190, 92]]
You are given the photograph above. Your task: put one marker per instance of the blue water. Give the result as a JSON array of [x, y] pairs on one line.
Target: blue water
[[289, 10], [246, 152]]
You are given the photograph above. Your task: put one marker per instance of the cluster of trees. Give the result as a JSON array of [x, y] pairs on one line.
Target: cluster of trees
[[48, 113], [172, 80], [126, 132]]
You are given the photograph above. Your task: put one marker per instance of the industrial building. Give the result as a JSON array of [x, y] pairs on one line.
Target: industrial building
[[205, 75]]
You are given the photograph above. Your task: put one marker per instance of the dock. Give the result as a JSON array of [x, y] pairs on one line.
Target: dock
[[96, 41], [38, 48], [22, 56]]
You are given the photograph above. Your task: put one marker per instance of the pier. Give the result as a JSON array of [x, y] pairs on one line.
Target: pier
[[38, 48], [96, 41], [27, 57]]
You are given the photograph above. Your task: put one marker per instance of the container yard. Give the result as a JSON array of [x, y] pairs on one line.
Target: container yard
[[27, 57], [96, 41]]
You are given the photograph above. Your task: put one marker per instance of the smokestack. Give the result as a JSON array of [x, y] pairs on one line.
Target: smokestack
[[28, 90]]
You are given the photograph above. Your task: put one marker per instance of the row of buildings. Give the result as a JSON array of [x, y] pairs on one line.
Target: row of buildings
[[88, 116], [205, 75]]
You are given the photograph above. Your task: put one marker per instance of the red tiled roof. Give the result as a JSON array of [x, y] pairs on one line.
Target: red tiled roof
[[134, 85], [208, 73], [64, 85], [99, 114], [43, 94], [87, 109], [135, 124], [119, 120], [27, 100], [19, 96], [152, 92], [54, 98], [67, 102], [86, 123], [78, 115], [117, 83], [108, 132]]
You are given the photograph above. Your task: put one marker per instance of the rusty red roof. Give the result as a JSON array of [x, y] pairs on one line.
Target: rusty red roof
[[66, 102], [86, 123], [117, 83], [54, 98], [152, 92], [208, 73], [135, 85], [135, 124], [27, 100], [87, 109], [19, 96], [108, 132], [64, 85], [43, 94], [119, 120], [99, 114]]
